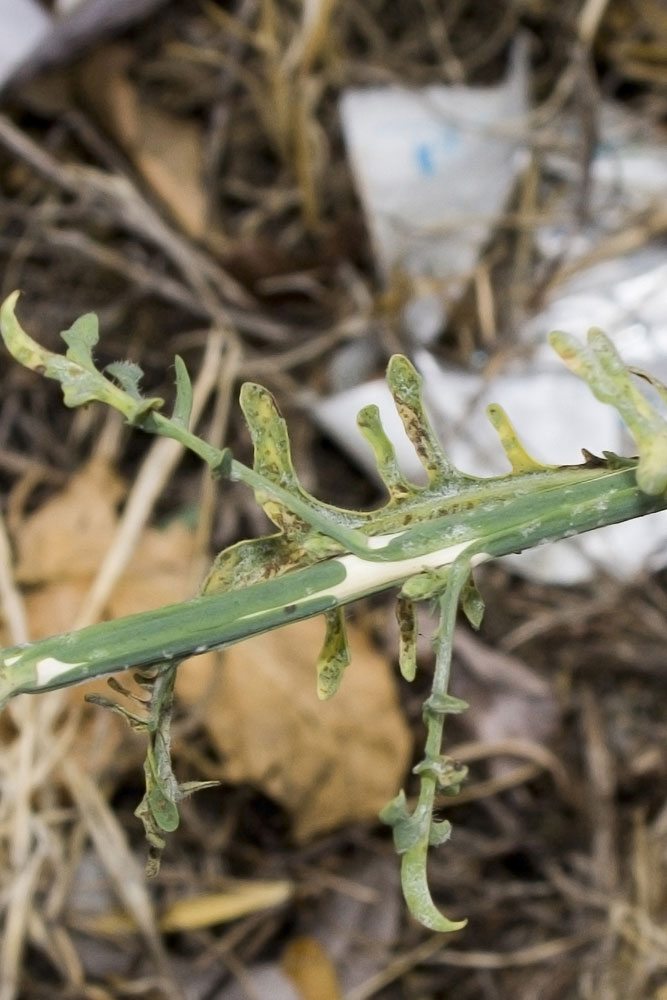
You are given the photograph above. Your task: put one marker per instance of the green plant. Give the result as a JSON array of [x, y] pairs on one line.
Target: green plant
[[425, 541]]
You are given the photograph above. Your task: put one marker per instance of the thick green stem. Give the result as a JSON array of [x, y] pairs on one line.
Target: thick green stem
[[216, 620]]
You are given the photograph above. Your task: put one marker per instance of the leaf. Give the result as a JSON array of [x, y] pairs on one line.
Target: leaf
[[334, 656], [188, 788], [448, 773], [135, 722], [405, 385], [163, 808], [81, 337], [396, 811], [273, 458], [410, 829], [160, 810], [128, 375], [406, 616], [600, 365], [417, 894], [519, 458], [370, 425], [438, 704], [439, 833], [424, 585], [472, 603], [183, 404], [80, 380]]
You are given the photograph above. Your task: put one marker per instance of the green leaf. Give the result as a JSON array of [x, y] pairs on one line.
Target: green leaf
[[119, 688], [128, 375], [439, 833], [472, 603], [163, 808], [405, 385], [600, 365], [183, 404], [438, 704], [417, 894], [160, 787], [334, 657], [81, 338], [80, 380], [411, 830], [426, 585], [519, 458], [370, 425], [395, 811]]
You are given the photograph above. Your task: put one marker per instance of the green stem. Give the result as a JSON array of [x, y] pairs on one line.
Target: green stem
[[431, 770], [217, 620]]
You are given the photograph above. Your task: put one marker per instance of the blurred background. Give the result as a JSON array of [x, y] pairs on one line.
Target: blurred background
[[289, 191]]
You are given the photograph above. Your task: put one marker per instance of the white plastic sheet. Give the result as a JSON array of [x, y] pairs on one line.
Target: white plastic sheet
[[30, 37], [434, 168], [23, 26]]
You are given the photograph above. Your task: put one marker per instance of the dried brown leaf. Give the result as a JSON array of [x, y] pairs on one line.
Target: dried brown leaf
[[326, 763], [306, 962], [67, 537], [167, 151]]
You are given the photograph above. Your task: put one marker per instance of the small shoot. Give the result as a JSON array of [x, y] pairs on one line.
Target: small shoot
[[83, 383], [80, 380]]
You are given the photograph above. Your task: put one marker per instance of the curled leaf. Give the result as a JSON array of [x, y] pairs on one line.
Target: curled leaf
[[334, 657], [447, 773], [136, 722], [417, 894], [440, 703]]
